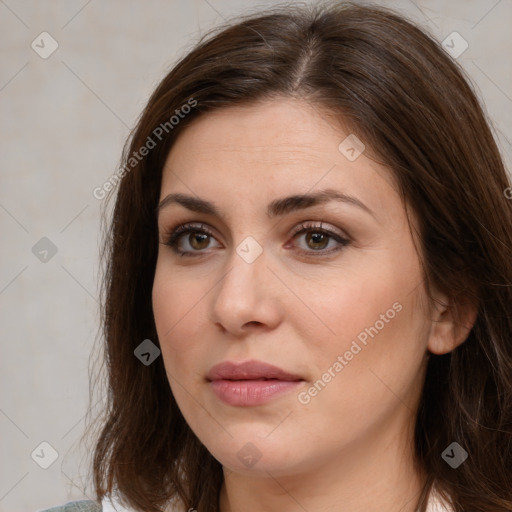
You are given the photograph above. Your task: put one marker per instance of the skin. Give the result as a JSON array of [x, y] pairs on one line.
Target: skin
[[350, 447]]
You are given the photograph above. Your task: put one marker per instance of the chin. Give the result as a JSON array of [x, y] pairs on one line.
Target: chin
[[254, 454]]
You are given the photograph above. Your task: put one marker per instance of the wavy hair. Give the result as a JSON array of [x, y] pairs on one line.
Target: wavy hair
[[412, 105]]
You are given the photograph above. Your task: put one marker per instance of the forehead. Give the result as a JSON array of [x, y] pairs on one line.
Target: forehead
[[268, 149]]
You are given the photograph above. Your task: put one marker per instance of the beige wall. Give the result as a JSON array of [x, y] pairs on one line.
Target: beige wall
[[63, 120]]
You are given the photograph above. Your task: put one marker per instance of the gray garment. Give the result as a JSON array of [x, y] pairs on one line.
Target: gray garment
[[77, 506]]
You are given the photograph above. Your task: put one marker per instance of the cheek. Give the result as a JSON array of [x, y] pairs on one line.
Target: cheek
[[372, 313], [337, 314], [378, 347], [178, 306]]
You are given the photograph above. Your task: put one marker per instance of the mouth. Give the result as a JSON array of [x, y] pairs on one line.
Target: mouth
[[250, 383], [249, 370]]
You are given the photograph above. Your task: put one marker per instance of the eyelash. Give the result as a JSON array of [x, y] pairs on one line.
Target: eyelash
[[172, 239]]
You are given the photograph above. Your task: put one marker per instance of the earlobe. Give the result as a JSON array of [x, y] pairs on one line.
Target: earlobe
[[450, 324]]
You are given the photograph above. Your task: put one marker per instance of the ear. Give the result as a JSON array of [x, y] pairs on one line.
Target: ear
[[451, 323]]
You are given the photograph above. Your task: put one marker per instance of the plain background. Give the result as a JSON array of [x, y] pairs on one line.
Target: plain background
[[63, 121]]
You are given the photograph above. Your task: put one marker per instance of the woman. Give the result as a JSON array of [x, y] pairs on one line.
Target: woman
[[307, 299]]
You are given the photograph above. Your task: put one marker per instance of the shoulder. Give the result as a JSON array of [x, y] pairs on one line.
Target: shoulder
[[77, 506]]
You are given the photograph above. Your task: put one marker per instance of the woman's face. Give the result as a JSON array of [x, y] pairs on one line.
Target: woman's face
[[329, 290]]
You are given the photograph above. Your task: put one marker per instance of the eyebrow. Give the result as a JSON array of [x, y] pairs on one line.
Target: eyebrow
[[275, 208]]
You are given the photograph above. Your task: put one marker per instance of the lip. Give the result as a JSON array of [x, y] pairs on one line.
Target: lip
[[249, 370], [250, 383]]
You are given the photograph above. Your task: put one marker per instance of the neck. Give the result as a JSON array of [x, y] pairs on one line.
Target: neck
[[374, 476]]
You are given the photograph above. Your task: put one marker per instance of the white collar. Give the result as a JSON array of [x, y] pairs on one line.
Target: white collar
[[112, 504], [436, 504]]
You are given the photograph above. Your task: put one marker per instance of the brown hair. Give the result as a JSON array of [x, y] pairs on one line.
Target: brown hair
[[398, 91]]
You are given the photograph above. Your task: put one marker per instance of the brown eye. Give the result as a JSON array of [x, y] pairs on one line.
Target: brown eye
[[198, 240], [190, 240], [317, 240]]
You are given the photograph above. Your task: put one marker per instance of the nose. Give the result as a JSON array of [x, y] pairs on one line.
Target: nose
[[247, 297]]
